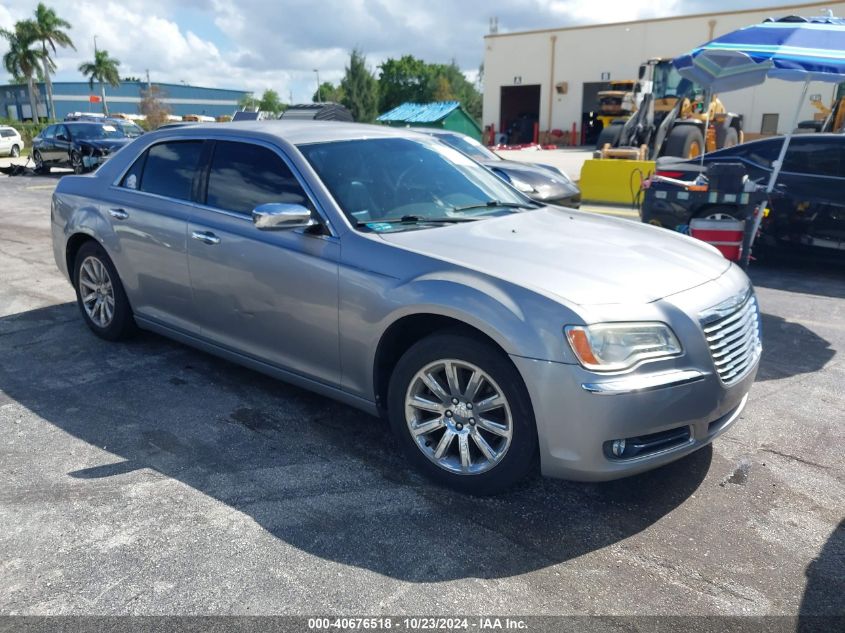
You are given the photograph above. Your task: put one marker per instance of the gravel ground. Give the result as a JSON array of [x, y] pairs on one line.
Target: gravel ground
[[148, 478]]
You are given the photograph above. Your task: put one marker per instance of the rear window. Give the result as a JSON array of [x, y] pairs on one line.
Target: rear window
[[7, 132], [169, 169]]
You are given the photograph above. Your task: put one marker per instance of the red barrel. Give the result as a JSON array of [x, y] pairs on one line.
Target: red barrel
[[726, 235]]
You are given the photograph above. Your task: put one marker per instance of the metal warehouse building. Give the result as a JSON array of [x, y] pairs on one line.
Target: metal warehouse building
[[73, 96], [552, 76]]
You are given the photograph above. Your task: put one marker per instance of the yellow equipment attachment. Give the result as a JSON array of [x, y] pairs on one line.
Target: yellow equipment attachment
[[613, 181]]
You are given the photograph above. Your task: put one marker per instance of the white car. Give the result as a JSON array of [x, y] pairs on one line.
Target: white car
[[11, 142]]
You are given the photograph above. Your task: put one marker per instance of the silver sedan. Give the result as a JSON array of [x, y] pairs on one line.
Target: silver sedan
[[391, 272]]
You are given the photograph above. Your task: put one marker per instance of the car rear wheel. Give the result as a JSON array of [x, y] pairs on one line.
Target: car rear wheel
[[462, 414], [40, 167], [15, 151], [100, 295], [76, 162]]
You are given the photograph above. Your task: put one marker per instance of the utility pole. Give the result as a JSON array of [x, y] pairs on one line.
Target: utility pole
[[149, 87], [319, 96]]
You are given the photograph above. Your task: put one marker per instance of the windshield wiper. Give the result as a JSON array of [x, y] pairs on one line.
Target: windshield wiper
[[490, 204], [416, 219]]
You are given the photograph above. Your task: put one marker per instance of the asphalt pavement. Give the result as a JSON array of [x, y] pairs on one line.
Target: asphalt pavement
[[149, 478]]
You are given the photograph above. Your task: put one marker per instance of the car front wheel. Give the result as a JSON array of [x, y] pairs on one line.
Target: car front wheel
[[100, 295], [462, 414]]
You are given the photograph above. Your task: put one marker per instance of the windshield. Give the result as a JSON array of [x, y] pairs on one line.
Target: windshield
[[379, 182], [130, 130], [95, 131], [468, 146], [666, 80]]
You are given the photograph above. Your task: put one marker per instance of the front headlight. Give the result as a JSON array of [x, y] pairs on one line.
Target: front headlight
[[523, 186], [618, 346]]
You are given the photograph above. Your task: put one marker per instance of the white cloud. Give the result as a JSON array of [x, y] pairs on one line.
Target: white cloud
[[258, 44]]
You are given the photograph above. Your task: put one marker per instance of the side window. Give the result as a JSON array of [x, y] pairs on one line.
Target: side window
[[62, 130], [48, 133], [762, 153], [169, 169], [242, 176], [133, 177], [820, 159]]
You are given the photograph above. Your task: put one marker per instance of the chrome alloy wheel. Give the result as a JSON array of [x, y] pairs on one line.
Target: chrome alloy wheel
[[95, 288], [458, 416]]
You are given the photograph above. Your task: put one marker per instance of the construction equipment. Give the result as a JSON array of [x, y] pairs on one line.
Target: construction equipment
[[673, 118], [830, 118], [616, 102]]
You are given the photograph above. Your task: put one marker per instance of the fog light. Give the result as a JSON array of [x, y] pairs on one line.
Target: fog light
[[618, 447]]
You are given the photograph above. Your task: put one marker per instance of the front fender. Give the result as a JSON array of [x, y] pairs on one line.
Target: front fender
[[522, 322]]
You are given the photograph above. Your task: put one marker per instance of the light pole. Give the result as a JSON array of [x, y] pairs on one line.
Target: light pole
[[319, 96]]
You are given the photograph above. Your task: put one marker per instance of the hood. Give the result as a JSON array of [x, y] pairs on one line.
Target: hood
[[104, 143], [547, 184], [579, 257]]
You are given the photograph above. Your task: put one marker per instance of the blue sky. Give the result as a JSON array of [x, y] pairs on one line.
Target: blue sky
[[259, 44]]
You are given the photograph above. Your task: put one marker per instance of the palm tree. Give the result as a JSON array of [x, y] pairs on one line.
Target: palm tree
[[22, 60], [48, 30], [104, 70]]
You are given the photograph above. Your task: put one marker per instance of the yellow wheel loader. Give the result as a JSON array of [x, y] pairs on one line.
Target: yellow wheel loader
[[673, 118]]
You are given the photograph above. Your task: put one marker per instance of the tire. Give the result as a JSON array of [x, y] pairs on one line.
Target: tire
[[40, 167], [507, 428], [76, 163], [94, 273], [685, 141], [610, 134], [15, 151], [727, 138]]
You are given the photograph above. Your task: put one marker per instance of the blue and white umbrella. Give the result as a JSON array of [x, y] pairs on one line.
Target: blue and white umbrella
[[791, 48]]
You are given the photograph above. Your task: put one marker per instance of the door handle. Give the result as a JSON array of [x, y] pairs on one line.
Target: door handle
[[206, 237], [118, 214]]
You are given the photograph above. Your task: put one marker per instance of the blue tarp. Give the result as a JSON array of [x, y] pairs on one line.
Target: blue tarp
[[420, 112]]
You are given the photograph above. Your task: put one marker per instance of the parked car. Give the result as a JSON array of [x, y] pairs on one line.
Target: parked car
[[128, 128], [11, 142], [807, 210], [82, 146], [544, 183], [381, 268]]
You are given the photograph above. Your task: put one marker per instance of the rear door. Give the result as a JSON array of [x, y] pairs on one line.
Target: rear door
[[43, 147], [148, 210], [60, 147], [271, 295]]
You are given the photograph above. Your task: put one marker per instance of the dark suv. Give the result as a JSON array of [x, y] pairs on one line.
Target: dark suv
[[807, 210], [79, 145]]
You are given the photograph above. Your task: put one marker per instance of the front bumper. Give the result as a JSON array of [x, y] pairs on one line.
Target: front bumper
[[575, 424]]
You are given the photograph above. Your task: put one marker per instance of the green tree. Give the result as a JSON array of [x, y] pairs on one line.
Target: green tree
[[270, 102], [402, 80], [360, 89], [23, 59], [328, 93], [104, 71], [248, 102], [459, 87], [48, 30]]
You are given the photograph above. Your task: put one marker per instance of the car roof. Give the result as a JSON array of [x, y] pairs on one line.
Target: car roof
[[297, 132]]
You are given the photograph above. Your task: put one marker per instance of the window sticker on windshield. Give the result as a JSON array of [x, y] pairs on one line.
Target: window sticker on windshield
[[110, 128], [379, 226]]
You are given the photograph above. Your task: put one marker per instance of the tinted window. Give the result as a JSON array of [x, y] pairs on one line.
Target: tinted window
[[820, 159], [133, 176], [48, 133], [170, 167], [242, 176], [62, 130], [7, 133]]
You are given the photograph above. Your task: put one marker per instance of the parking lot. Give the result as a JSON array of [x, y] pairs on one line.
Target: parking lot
[[149, 478]]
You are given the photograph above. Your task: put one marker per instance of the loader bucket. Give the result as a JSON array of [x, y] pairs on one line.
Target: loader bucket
[[613, 181]]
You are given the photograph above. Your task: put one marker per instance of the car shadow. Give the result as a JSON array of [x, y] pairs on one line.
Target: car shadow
[[821, 605], [790, 349], [318, 475]]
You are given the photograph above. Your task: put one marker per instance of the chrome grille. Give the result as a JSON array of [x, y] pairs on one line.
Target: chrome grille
[[733, 336]]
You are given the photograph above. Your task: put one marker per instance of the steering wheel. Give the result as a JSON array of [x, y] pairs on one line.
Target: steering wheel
[[400, 181]]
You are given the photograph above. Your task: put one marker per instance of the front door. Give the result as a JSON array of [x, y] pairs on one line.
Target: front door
[[272, 295]]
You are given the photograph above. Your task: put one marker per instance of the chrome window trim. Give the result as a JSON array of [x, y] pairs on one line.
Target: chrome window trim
[[306, 188]]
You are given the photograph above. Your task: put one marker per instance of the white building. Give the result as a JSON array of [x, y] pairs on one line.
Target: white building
[[553, 75]]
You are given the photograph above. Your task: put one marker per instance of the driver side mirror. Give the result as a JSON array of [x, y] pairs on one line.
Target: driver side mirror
[[277, 216]]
